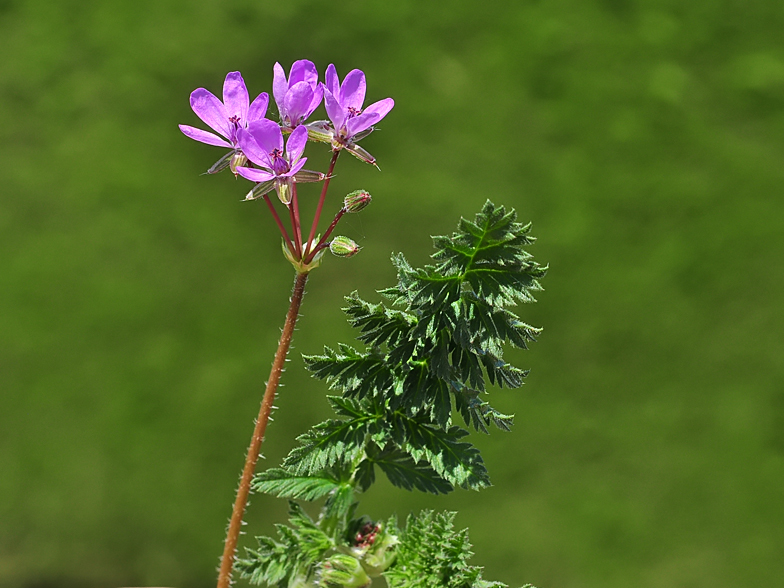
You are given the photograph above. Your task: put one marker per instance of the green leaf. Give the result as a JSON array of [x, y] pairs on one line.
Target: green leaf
[[408, 474], [432, 553], [299, 548], [283, 484], [350, 371], [365, 474], [377, 323], [456, 461], [340, 501], [327, 444], [445, 339]]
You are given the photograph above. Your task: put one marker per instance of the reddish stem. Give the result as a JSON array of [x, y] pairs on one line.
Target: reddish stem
[[297, 242], [295, 204], [320, 244], [235, 524], [279, 223], [314, 226]]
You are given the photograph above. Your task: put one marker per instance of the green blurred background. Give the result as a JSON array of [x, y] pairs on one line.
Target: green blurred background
[[140, 302]]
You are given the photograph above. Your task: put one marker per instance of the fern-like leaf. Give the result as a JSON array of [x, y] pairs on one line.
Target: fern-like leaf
[[432, 553]]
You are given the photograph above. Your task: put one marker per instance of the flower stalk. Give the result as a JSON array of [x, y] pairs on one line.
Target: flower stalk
[[282, 229], [312, 250], [241, 501], [323, 241]]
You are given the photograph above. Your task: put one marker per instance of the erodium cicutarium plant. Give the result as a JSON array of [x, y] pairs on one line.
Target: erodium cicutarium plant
[[408, 395]]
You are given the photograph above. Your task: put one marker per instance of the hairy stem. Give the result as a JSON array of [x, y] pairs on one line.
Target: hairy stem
[[235, 524]]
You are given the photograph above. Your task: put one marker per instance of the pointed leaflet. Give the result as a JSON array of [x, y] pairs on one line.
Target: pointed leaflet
[[283, 484], [456, 461], [405, 473]]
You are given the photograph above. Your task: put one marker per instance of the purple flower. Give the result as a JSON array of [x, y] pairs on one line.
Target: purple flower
[[344, 107], [262, 143], [298, 96], [227, 117]]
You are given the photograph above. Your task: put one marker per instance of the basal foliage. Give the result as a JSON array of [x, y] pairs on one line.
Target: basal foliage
[[428, 355]]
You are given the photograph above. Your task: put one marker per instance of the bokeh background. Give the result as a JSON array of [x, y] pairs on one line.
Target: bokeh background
[[140, 302]]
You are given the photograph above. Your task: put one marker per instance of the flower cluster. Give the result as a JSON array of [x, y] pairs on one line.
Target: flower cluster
[[259, 153]]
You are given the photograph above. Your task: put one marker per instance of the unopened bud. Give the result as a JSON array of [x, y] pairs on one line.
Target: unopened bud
[[284, 191], [356, 201], [343, 570], [237, 160], [343, 247], [381, 553]]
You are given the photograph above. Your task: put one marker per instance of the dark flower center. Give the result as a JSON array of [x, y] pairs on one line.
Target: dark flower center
[[352, 112]]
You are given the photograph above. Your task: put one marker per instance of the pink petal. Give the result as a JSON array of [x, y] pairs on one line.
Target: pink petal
[[298, 100], [335, 112], [352, 92], [296, 167], [252, 150], [360, 123], [303, 71], [204, 137], [331, 80], [209, 109], [296, 143], [258, 108], [382, 107], [318, 96], [279, 86], [267, 134], [235, 96], [255, 175]]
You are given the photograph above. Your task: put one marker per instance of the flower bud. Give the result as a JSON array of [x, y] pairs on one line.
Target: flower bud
[[356, 201], [381, 554], [375, 547], [343, 570], [301, 581], [343, 247], [237, 160], [284, 191]]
